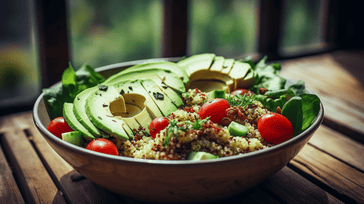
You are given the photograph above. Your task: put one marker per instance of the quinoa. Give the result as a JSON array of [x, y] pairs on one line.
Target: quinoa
[[188, 132]]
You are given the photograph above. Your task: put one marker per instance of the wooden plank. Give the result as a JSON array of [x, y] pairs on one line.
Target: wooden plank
[[76, 191], [33, 179], [339, 87], [348, 182], [339, 146], [175, 28], [290, 187], [9, 191]]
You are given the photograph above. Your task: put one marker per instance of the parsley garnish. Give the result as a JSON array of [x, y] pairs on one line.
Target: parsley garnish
[[173, 128], [241, 100], [198, 123]]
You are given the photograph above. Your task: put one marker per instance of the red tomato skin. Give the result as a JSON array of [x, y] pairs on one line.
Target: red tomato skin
[[104, 146], [275, 128], [157, 125], [242, 92], [58, 126], [216, 109]]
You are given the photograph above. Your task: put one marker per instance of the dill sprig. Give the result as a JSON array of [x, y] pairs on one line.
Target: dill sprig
[[241, 100]]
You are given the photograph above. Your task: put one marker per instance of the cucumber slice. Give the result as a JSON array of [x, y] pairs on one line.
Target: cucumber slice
[[74, 137], [237, 129]]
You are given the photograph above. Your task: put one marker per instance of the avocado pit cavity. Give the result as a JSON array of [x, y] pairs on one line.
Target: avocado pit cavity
[[127, 105]]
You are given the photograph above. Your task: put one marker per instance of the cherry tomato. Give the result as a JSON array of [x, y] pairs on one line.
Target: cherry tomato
[[58, 126], [275, 128], [104, 146], [215, 109], [242, 92], [157, 125]]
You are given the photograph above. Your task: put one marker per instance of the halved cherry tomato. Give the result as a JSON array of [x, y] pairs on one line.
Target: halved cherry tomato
[[157, 125], [275, 128], [104, 146], [242, 92], [215, 109], [58, 126]]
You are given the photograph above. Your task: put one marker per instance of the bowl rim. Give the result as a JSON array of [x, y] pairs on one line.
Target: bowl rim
[[185, 163]]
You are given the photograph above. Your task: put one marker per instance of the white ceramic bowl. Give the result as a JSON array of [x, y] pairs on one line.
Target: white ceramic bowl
[[174, 181]]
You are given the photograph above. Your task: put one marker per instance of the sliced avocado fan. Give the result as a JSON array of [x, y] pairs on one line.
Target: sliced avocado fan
[[80, 112], [160, 77], [168, 66], [73, 122], [217, 72], [98, 110]]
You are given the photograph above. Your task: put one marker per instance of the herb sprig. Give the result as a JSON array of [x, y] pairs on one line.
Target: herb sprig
[[174, 127], [241, 100]]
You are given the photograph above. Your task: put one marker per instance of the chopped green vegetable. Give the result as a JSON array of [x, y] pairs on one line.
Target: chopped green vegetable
[[200, 156], [237, 129]]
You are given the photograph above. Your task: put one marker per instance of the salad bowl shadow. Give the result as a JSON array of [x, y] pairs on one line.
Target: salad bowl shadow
[[174, 181]]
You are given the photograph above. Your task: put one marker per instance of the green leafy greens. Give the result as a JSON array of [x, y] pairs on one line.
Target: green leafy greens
[[298, 106], [268, 75], [71, 84]]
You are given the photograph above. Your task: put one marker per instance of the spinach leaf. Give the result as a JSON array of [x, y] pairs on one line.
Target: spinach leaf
[[310, 109], [292, 110], [72, 83], [268, 76], [270, 103], [298, 88]]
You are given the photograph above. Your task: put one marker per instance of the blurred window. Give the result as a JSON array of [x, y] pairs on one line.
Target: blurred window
[[112, 31], [226, 28], [302, 27], [19, 71]]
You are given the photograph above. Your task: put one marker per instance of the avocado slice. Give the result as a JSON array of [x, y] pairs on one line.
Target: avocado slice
[[168, 66], [209, 85], [218, 64], [211, 76], [72, 121], [238, 72], [248, 80], [171, 94], [80, 112], [164, 103], [136, 87], [160, 77], [197, 62], [237, 129], [228, 64], [200, 156], [98, 110], [74, 137]]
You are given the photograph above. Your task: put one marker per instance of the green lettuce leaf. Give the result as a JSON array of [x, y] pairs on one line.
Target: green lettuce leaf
[[72, 83]]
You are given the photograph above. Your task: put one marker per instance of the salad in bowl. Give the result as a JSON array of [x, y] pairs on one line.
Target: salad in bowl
[[189, 130], [199, 108]]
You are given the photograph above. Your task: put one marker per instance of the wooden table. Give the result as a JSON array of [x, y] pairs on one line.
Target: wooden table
[[329, 169]]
